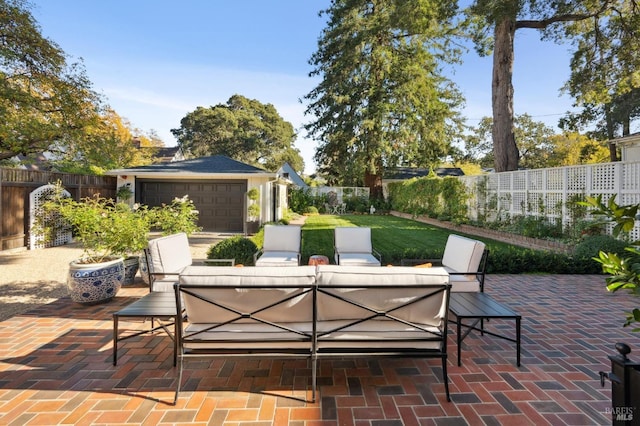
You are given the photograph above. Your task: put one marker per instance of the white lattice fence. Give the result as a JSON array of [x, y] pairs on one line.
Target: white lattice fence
[[36, 238], [550, 192]]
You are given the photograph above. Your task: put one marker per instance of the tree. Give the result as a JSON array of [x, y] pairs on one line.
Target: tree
[[45, 102], [243, 129], [382, 101], [106, 145], [571, 149], [503, 19], [604, 77], [538, 146]]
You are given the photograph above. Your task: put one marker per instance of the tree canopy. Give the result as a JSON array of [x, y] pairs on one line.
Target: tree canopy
[[383, 101], [45, 102], [495, 23], [243, 129], [538, 146]]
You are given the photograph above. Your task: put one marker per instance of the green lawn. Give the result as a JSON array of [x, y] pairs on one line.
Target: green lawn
[[395, 238]]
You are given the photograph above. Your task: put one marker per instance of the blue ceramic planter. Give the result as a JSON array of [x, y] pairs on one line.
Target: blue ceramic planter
[[94, 283]]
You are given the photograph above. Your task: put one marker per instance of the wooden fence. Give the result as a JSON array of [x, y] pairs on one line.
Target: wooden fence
[[17, 184]]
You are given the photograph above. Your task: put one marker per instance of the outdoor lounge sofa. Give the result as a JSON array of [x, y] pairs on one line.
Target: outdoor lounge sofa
[[281, 246], [313, 312], [353, 247]]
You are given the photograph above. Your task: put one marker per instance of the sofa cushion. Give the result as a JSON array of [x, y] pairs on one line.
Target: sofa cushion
[[170, 253], [353, 240], [462, 254], [278, 295], [278, 258], [401, 289], [282, 238], [358, 259]]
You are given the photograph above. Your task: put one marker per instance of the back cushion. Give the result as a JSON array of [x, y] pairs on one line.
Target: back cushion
[[282, 238], [296, 306], [390, 292], [353, 240], [170, 253], [462, 254]]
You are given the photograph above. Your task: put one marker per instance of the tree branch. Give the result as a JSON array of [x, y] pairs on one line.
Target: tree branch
[[569, 17]]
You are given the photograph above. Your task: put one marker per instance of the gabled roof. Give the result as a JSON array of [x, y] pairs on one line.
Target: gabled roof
[[403, 173], [215, 164], [287, 172]]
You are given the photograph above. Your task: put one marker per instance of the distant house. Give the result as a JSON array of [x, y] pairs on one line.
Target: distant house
[[629, 147], [286, 172], [399, 174], [217, 185]]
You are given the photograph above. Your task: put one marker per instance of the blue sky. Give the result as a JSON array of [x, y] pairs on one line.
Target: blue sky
[[157, 60]]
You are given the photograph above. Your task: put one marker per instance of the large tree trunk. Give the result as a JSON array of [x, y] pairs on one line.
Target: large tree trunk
[[374, 182], [505, 150]]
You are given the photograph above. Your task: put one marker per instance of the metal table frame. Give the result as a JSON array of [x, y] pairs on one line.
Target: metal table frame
[[159, 305], [480, 306]]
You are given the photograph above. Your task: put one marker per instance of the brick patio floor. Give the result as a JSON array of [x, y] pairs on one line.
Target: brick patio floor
[[55, 368]]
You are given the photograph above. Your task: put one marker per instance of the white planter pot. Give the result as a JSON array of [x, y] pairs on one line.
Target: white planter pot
[[94, 283]]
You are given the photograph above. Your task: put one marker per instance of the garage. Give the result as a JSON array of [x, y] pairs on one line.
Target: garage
[[220, 202], [217, 185]]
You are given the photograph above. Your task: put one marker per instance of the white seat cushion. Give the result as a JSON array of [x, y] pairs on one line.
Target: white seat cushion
[[462, 254], [278, 258], [357, 259], [353, 240]]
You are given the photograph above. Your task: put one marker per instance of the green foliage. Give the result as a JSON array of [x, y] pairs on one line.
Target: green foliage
[[439, 198], [383, 98], [311, 210], [179, 216], [104, 228], [300, 199], [397, 238], [46, 103], [624, 271], [237, 247], [107, 228], [623, 216], [243, 129], [253, 194]]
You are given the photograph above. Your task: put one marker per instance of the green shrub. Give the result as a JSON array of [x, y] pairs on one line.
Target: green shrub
[[311, 210], [591, 246], [238, 247]]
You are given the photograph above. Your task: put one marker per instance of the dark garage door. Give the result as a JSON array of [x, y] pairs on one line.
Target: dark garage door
[[220, 203]]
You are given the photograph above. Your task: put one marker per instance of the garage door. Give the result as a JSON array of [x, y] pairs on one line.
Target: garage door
[[220, 203]]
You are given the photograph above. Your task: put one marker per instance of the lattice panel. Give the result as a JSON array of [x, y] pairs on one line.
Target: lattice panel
[[631, 176], [520, 180], [555, 179], [553, 203], [576, 178], [603, 177], [36, 238], [520, 202], [535, 180], [505, 181]]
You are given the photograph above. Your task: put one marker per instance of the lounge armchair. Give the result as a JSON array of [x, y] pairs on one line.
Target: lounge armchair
[[281, 246], [353, 247], [167, 257]]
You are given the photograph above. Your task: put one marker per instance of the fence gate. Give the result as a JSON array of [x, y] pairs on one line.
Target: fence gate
[[36, 236]]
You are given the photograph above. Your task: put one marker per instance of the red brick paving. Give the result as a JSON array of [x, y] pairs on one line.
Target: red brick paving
[[55, 368]]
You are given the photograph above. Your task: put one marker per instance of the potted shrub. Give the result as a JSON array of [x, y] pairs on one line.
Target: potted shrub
[[253, 211], [104, 229]]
